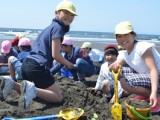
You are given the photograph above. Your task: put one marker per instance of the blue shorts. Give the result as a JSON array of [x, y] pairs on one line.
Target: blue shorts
[[3, 70], [32, 71], [16, 63]]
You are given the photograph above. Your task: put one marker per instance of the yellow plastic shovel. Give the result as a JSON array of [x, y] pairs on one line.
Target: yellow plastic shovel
[[116, 109], [67, 114]]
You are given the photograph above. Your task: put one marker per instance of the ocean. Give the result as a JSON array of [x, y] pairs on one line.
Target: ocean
[[97, 38]]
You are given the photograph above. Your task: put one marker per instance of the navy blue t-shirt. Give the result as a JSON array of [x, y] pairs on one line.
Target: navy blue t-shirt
[[42, 46]]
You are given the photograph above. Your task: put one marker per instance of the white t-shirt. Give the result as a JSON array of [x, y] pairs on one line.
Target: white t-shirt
[[135, 60], [96, 55], [105, 74]]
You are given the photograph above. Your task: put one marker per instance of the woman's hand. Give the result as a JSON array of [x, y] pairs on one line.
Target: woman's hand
[[153, 100]]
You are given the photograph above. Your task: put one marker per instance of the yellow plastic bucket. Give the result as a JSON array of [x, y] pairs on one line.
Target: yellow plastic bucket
[[137, 113]]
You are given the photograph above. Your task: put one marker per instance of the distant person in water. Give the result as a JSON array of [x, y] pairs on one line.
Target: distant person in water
[[83, 64], [38, 81], [96, 55], [143, 78]]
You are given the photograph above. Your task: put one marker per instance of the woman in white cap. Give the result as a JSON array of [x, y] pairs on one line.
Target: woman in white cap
[[143, 60], [36, 66]]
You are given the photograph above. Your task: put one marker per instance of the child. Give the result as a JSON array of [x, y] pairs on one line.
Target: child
[[96, 55], [144, 59], [82, 62], [15, 41], [14, 63], [36, 66], [6, 51], [105, 81]]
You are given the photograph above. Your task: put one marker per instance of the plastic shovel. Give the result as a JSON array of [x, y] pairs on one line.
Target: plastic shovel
[[67, 114], [116, 109]]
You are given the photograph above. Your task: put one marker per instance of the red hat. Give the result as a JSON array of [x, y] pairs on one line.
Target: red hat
[[111, 46]]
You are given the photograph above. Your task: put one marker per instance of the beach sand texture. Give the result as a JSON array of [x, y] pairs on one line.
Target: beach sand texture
[[75, 95]]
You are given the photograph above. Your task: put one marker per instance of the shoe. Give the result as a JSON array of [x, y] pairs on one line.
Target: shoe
[[107, 98], [80, 81], [6, 86], [28, 93], [156, 109]]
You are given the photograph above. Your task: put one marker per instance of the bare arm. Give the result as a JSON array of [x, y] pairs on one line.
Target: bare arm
[[56, 47], [3, 64], [150, 63]]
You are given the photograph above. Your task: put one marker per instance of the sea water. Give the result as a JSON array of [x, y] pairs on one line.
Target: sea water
[[94, 37]]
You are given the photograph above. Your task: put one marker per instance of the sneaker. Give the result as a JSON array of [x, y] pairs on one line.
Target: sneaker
[[28, 92], [156, 109], [6, 86], [107, 98], [80, 81]]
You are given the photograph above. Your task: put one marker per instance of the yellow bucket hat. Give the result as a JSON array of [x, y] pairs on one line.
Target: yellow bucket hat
[[87, 45], [124, 27], [66, 5]]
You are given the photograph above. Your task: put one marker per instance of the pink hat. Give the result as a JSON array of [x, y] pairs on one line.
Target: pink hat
[[67, 41], [6, 47], [24, 42]]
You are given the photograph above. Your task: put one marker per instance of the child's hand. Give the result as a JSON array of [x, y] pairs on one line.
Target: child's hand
[[70, 65], [92, 90], [114, 67]]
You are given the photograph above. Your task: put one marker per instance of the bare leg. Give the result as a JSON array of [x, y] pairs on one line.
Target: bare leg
[[17, 87], [106, 87], [11, 69], [51, 94]]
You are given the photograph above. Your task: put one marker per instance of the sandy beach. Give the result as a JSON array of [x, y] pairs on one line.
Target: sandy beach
[[75, 95]]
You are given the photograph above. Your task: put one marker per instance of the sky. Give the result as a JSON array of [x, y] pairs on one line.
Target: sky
[[93, 15]]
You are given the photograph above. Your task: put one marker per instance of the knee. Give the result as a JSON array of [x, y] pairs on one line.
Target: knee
[[125, 86], [79, 61], [105, 85], [123, 83], [11, 58], [60, 99]]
